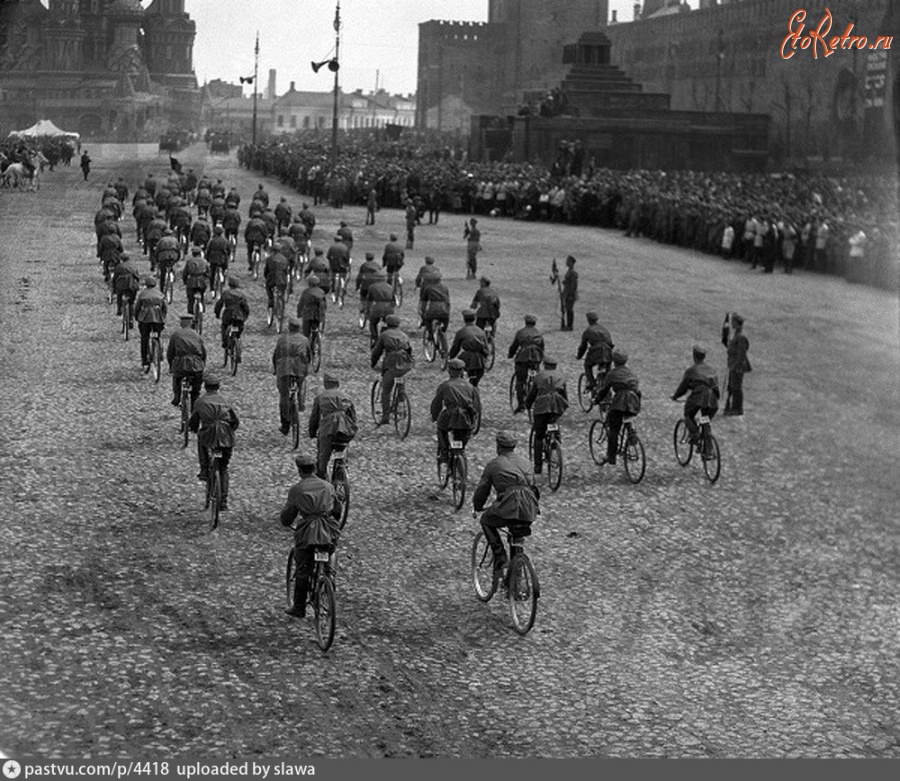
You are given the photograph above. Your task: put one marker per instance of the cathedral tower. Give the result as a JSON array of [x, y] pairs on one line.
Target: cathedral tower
[[63, 37], [169, 44]]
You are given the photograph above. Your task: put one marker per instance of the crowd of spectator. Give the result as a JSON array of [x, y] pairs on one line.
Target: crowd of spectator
[[57, 149], [834, 225]]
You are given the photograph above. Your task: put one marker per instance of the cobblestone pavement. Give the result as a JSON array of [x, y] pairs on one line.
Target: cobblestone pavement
[[756, 617]]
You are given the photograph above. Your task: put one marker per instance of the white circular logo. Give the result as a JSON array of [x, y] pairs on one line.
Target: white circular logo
[[11, 769]]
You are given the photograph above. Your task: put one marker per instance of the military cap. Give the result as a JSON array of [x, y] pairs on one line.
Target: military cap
[[370, 256], [124, 256], [167, 231], [530, 319], [507, 439], [343, 223], [312, 279], [338, 238], [149, 281], [295, 323], [550, 361], [570, 260], [592, 317], [380, 274], [468, 314], [699, 352], [456, 365], [218, 229], [429, 260], [392, 321], [393, 237], [736, 319], [330, 379], [305, 461], [196, 251], [318, 251], [619, 356], [211, 380], [485, 281], [185, 316]]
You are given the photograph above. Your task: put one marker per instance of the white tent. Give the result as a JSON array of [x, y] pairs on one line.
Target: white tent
[[43, 127]]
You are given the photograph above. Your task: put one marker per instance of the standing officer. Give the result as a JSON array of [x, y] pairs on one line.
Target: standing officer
[[473, 246], [290, 358], [527, 349], [738, 365], [570, 293]]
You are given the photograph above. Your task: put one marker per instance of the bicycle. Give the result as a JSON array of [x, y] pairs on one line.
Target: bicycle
[[586, 390], [185, 409], [491, 333], [706, 444], [232, 247], [275, 313], [400, 409], [397, 289], [199, 307], [629, 447], [521, 581], [297, 394], [339, 481], [552, 454], [320, 591], [339, 289], [155, 354], [454, 470], [315, 347], [363, 315], [513, 399], [218, 282], [213, 486], [255, 260], [434, 342], [126, 317], [233, 347], [167, 280]]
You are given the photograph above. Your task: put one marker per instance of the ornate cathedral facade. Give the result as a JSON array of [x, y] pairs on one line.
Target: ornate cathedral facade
[[107, 68]]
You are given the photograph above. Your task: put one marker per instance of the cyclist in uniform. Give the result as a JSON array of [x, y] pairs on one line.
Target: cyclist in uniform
[[168, 253], [338, 260], [516, 502], [276, 273], [111, 249], [471, 345], [435, 306], [547, 400], [346, 236], [233, 308], [623, 383], [454, 408], [150, 310], [701, 384], [332, 422], [195, 276], [596, 349], [255, 234], [201, 233], [395, 346], [365, 276], [283, 214], [311, 306], [217, 252], [321, 268], [156, 229], [309, 219], [186, 356], [392, 259], [126, 281], [290, 358], [215, 421], [380, 301], [311, 502], [486, 304], [527, 349]]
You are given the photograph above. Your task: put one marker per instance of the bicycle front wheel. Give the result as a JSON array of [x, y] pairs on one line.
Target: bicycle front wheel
[[554, 465], [402, 414], [597, 441], [316, 350], [235, 355], [712, 462], [491, 356], [513, 402], [682, 441], [185, 416], [375, 398], [458, 471], [635, 460], [325, 612], [522, 594], [483, 568], [585, 400], [442, 348], [126, 320]]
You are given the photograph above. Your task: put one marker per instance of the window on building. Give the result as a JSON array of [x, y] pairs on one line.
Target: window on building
[[281, 120], [293, 120], [306, 123]]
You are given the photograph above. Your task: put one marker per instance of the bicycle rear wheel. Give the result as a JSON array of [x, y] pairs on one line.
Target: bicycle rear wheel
[[597, 441], [155, 358], [235, 355], [459, 469], [214, 494], [316, 349], [341, 486], [682, 441], [295, 420], [375, 398], [443, 472], [185, 416], [428, 346], [442, 347], [279, 314], [402, 414], [325, 612], [712, 463], [483, 568], [522, 594], [126, 319], [554, 465], [491, 356], [585, 400], [635, 460], [290, 579], [513, 402]]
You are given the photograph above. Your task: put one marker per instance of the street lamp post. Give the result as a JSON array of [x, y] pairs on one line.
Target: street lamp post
[[334, 66], [255, 83]]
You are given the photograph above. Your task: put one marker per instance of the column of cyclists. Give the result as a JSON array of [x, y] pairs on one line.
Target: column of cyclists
[[280, 243]]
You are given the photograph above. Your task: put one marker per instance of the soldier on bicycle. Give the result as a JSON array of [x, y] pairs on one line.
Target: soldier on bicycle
[[527, 349], [233, 308], [168, 253], [486, 304], [312, 305], [150, 311], [516, 502], [276, 273], [186, 356], [380, 302], [392, 259], [471, 345], [255, 234], [547, 400], [290, 360], [626, 401], [596, 349], [701, 383], [312, 503], [338, 260], [195, 276], [217, 252], [332, 422], [395, 346], [214, 421], [455, 407], [434, 306]]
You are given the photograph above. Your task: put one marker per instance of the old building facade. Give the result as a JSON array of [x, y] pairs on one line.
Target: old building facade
[[99, 67]]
